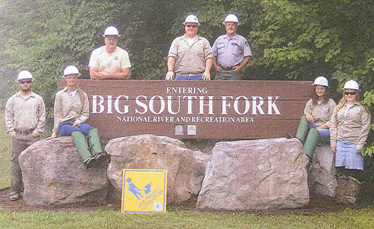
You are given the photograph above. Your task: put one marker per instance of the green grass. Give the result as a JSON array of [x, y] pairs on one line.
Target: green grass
[[174, 218], [5, 154], [348, 218]]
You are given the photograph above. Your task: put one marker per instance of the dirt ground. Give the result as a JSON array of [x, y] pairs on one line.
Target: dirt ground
[[316, 205]]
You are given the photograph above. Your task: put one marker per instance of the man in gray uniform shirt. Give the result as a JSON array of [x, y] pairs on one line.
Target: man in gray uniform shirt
[[24, 121], [231, 51]]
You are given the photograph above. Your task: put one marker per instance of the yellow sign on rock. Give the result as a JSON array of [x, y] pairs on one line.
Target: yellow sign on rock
[[144, 191]]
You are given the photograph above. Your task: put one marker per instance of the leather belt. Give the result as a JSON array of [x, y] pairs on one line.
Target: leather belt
[[24, 132], [189, 74], [227, 69]]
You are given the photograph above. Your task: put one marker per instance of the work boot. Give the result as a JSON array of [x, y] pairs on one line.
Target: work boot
[[83, 149], [16, 181], [302, 130], [14, 197], [341, 189], [95, 146], [353, 190], [311, 142]]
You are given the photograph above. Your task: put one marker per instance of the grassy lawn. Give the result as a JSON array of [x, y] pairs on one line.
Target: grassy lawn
[[347, 218], [5, 154], [174, 218]]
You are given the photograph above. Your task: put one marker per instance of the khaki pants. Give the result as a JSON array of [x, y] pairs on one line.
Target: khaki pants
[[19, 144]]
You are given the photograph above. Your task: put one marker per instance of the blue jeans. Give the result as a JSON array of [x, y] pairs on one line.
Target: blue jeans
[[65, 129], [323, 133], [197, 77]]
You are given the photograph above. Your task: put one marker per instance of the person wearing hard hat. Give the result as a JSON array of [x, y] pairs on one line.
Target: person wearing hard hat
[[315, 123], [71, 111], [24, 121], [350, 126], [109, 61], [190, 56], [231, 51]]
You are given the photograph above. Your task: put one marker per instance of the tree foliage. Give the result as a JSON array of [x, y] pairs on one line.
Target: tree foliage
[[290, 39]]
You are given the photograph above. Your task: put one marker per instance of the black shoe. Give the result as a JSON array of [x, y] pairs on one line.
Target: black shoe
[[101, 158], [90, 163]]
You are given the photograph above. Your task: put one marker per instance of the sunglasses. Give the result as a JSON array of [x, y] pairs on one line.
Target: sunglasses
[[350, 93], [193, 26], [23, 82]]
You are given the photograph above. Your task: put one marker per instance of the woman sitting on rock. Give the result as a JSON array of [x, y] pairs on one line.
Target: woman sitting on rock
[[71, 110], [314, 124], [350, 126]]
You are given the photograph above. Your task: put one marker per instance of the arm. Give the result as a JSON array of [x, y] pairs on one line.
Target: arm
[[208, 66], [242, 64], [9, 118], [365, 122], [170, 74], [308, 111], [332, 105], [96, 75], [85, 112], [57, 115], [333, 130], [41, 119], [216, 66]]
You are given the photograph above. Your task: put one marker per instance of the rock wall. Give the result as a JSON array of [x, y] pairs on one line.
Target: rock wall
[[185, 167], [258, 174], [53, 173], [321, 180]]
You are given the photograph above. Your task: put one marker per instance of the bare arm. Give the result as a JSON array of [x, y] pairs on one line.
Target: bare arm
[[242, 64], [216, 66], [96, 75], [208, 66], [170, 74]]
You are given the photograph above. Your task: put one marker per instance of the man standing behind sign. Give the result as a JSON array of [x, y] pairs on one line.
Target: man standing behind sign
[[231, 51], [190, 56], [24, 120], [110, 61]]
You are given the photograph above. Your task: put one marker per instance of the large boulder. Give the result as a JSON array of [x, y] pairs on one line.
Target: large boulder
[[185, 167], [53, 173], [321, 179], [256, 174]]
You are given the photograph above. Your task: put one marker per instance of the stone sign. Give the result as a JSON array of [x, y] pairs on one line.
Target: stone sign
[[196, 109]]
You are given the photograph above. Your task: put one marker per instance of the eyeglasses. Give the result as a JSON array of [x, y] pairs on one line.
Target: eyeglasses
[[111, 38], [350, 93], [193, 26], [23, 82]]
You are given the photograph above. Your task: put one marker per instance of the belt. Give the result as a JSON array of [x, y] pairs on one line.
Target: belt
[[189, 74], [24, 132], [227, 69]]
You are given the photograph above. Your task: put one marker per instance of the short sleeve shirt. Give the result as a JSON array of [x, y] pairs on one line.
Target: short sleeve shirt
[[190, 59], [109, 63], [230, 52]]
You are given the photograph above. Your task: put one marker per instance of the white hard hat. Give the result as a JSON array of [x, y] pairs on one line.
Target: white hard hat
[[231, 18], [70, 71], [351, 84], [24, 75], [111, 31], [321, 81], [191, 19]]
